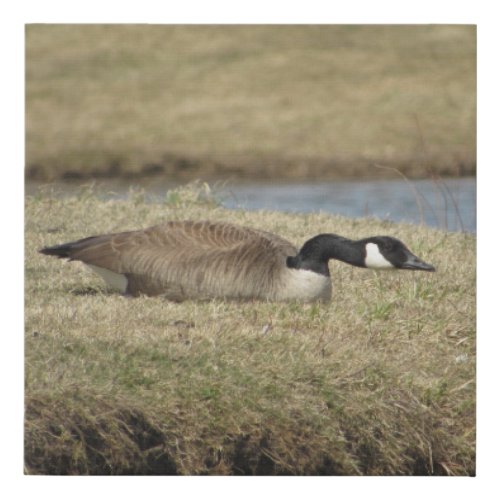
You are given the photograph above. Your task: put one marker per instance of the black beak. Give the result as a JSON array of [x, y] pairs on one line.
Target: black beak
[[413, 262]]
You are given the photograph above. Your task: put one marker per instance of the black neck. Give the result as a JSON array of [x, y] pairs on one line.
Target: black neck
[[317, 251]]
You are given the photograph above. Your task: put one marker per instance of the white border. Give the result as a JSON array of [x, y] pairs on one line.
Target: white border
[[355, 12]]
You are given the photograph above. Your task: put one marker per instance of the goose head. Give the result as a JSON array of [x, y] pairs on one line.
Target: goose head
[[375, 252], [386, 252]]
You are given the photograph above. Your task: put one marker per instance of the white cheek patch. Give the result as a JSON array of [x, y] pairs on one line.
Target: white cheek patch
[[114, 280], [374, 259]]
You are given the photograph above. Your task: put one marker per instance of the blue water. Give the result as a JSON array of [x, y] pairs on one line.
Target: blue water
[[446, 204]]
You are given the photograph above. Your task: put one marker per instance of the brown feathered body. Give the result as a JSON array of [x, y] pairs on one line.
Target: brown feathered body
[[197, 260]]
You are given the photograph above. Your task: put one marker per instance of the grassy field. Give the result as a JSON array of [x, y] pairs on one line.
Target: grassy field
[[379, 381], [244, 101]]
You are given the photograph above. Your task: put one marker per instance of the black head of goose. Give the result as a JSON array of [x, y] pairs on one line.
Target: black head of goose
[[202, 260], [376, 252]]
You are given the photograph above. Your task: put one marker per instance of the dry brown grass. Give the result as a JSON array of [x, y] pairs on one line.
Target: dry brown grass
[[379, 381], [217, 101]]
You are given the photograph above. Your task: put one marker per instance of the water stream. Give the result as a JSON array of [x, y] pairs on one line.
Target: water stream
[[446, 204]]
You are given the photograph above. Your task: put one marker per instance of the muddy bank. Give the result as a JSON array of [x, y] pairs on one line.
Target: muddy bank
[[184, 168]]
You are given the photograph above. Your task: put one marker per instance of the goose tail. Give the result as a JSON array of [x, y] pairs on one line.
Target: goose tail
[[62, 251], [67, 250]]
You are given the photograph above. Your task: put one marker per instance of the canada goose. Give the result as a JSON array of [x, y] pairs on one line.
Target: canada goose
[[202, 260]]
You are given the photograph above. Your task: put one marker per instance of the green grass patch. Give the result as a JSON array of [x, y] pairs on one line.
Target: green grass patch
[[379, 381]]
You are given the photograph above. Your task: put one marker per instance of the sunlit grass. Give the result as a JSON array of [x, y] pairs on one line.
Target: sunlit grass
[[379, 381]]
